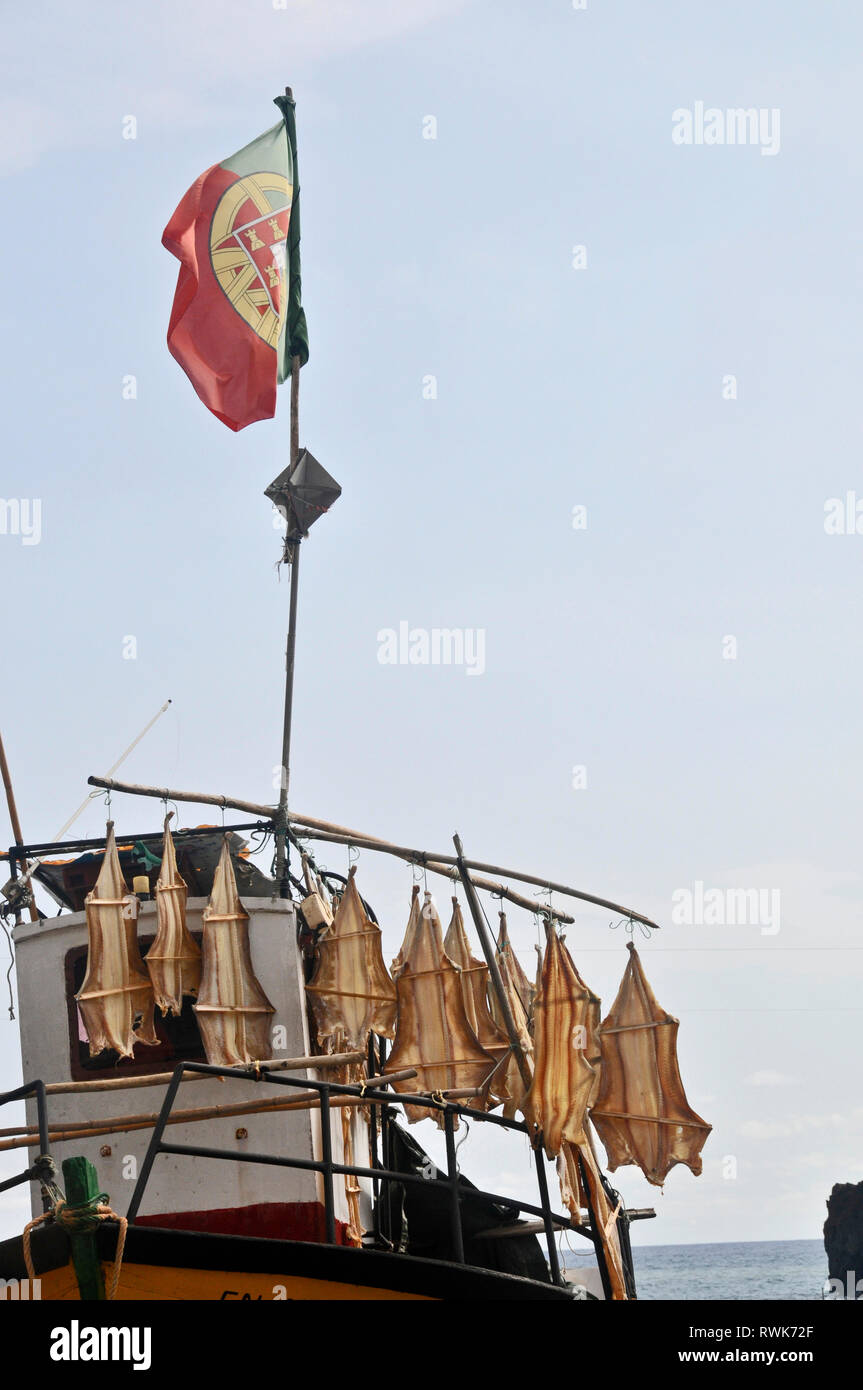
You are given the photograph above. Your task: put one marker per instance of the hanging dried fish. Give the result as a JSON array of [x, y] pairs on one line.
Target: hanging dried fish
[[413, 941], [525, 987], [351, 990], [581, 1188], [641, 1111], [233, 1011], [349, 1074], [432, 1029], [474, 991], [516, 995], [590, 1023], [174, 959], [116, 998], [354, 1228], [563, 1077]]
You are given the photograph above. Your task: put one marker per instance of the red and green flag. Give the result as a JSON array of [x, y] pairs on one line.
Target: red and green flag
[[237, 319]]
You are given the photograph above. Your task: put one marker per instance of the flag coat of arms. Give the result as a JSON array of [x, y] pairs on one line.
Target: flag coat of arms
[[237, 319]]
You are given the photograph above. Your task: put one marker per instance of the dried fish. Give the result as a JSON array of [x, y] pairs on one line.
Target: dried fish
[[581, 1187], [116, 998], [350, 1074], [525, 987], [351, 990], [432, 1029], [174, 959], [563, 1078], [641, 1111], [518, 998], [354, 1228], [474, 990], [233, 1011]]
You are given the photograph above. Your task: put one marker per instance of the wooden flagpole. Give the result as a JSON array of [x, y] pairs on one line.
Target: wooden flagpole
[[292, 557]]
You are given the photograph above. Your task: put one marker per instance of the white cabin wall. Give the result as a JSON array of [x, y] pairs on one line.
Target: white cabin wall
[[176, 1183]]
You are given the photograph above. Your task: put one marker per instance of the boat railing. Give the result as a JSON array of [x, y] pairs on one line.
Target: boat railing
[[42, 1169], [377, 1172], [17, 855]]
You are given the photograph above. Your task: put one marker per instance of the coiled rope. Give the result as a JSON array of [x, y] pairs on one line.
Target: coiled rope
[[84, 1217]]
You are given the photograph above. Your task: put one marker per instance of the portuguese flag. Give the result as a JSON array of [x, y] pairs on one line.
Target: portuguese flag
[[237, 319]]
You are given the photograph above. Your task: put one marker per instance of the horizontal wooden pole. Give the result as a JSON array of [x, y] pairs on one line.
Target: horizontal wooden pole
[[304, 1100], [344, 835], [227, 803], [212, 1112], [321, 1062], [434, 866], [129, 1083], [334, 834]]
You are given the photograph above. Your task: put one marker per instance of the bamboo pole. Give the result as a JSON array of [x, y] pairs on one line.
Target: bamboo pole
[[499, 890], [162, 1078], [211, 1112], [307, 1100], [255, 808], [321, 1061], [15, 822], [342, 835]]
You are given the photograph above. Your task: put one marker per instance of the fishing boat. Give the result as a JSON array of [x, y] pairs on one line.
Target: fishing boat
[[221, 1072]]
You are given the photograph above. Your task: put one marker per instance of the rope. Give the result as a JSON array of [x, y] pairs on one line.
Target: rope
[[85, 1217]]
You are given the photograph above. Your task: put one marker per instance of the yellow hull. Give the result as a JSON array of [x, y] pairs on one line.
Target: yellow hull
[[165, 1284], [170, 1266]]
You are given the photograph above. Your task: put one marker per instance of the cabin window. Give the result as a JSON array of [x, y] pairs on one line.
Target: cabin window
[[179, 1038]]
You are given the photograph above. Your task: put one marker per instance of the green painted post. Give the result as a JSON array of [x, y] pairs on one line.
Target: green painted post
[[82, 1190]]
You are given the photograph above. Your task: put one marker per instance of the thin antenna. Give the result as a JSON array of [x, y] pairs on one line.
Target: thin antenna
[[111, 770], [28, 874]]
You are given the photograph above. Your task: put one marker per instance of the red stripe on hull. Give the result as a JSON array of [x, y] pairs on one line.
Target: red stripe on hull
[[272, 1220]]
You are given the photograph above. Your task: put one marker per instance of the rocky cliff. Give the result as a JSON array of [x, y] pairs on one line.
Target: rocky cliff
[[843, 1236]]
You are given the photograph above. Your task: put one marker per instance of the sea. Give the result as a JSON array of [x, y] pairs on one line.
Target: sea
[[785, 1270]]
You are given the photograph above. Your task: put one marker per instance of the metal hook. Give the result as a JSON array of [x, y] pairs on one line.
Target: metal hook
[[461, 1141], [542, 915], [629, 925]]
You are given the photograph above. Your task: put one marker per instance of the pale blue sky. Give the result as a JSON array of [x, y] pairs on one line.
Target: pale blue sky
[[556, 387]]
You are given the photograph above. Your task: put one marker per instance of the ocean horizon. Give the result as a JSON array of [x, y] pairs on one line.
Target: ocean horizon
[[781, 1270]]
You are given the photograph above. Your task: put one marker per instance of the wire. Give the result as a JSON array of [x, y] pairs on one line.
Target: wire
[[461, 1141], [11, 965], [111, 770]]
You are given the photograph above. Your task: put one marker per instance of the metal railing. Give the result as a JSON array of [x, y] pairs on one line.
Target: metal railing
[[43, 1170], [16, 853], [379, 1174]]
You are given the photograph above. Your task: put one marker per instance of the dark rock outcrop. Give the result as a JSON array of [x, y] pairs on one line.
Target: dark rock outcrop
[[843, 1233]]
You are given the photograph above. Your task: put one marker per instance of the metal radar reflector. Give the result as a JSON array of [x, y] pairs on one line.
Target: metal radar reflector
[[302, 493]]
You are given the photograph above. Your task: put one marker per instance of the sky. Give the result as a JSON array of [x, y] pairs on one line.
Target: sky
[[590, 392]]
